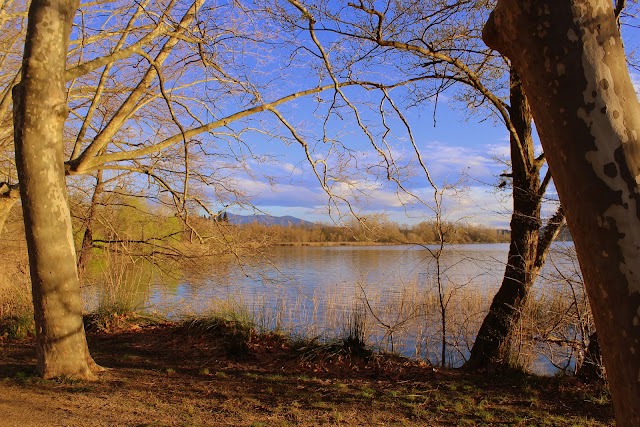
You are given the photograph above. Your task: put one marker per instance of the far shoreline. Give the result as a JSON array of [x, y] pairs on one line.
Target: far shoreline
[[328, 244]]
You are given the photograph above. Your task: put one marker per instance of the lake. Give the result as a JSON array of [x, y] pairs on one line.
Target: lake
[[315, 291], [308, 270]]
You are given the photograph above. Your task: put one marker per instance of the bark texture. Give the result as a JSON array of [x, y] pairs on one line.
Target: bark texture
[[570, 57], [40, 110], [527, 251]]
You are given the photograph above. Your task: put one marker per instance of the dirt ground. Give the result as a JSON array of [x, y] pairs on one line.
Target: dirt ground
[[165, 375]]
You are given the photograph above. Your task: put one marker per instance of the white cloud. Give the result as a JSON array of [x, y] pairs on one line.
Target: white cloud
[[299, 194], [476, 204], [291, 169], [448, 162], [499, 151], [262, 193], [369, 193], [481, 205]]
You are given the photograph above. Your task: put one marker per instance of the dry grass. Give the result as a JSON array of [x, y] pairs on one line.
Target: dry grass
[[16, 309], [408, 321]]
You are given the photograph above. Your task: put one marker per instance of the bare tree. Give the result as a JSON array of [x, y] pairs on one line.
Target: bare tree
[[12, 24], [437, 44], [571, 60]]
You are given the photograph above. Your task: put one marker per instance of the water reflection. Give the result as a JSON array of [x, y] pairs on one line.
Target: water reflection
[[306, 270]]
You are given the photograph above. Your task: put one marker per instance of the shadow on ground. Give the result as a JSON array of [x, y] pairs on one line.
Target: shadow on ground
[[171, 375]]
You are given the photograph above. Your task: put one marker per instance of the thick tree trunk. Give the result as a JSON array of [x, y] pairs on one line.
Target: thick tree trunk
[[570, 57], [491, 344], [40, 110]]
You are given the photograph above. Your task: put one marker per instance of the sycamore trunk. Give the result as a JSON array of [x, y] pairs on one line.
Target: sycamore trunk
[[40, 110], [570, 57]]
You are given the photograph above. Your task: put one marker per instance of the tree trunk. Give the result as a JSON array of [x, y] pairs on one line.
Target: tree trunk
[[40, 110], [591, 367], [570, 57], [491, 344], [87, 236]]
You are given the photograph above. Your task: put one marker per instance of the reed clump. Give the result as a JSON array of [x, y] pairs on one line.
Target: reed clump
[[360, 321], [117, 290], [16, 308], [234, 333]]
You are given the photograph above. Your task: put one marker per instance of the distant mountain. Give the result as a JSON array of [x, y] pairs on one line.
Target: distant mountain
[[267, 220]]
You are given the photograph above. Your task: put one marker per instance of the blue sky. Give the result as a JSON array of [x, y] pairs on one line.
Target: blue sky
[[458, 150], [463, 148]]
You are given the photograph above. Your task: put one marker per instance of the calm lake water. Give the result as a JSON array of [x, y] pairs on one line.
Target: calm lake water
[[307, 271], [310, 271], [314, 290]]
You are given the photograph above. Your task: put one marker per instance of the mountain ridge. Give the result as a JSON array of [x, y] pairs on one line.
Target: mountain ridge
[[267, 220]]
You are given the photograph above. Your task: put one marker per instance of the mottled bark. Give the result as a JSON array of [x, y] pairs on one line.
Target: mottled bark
[[40, 110], [526, 251], [570, 57]]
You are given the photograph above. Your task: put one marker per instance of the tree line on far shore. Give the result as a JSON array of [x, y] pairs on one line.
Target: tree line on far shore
[[136, 223], [378, 229]]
